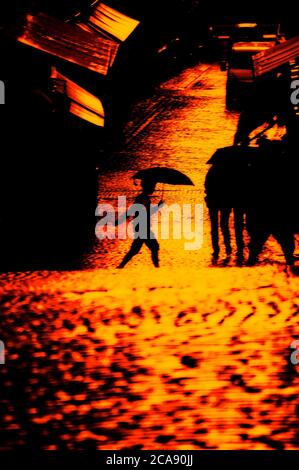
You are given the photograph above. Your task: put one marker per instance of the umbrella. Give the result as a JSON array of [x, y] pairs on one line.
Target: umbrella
[[233, 154], [164, 175]]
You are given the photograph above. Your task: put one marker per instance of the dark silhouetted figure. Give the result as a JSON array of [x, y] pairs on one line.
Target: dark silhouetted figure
[[150, 241], [268, 103], [225, 194], [271, 196], [271, 208]]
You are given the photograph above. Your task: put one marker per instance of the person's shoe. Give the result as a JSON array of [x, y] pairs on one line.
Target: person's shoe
[[156, 263]]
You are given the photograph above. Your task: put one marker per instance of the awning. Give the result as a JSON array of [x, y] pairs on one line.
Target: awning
[[110, 23], [82, 103], [275, 57], [100, 34], [69, 42], [115, 24]]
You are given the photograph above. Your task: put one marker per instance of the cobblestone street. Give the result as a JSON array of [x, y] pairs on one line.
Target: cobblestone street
[[188, 356]]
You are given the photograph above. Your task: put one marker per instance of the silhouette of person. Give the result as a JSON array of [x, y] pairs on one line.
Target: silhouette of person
[[225, 190], [150, 241], [261, 108], [264, 227], [270, 211]]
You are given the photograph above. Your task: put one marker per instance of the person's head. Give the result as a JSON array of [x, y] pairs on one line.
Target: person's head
[[148, 187]]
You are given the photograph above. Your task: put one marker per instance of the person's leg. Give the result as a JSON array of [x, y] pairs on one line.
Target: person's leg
[[257, 240], [134, 250], [286, 240], [239, 228], [213, 212], [224, 223], [154, 247]]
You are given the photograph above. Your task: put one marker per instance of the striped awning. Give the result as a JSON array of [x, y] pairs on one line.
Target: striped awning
[[83, 104], [271, 59], [115, 24], [69, 42], [109, 23], [101, 34]]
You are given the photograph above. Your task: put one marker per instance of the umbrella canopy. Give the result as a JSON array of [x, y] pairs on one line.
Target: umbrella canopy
[[233, 154], [164, 175]]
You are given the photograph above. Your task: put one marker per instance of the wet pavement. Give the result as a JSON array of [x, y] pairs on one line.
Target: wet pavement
[[187, 356]]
